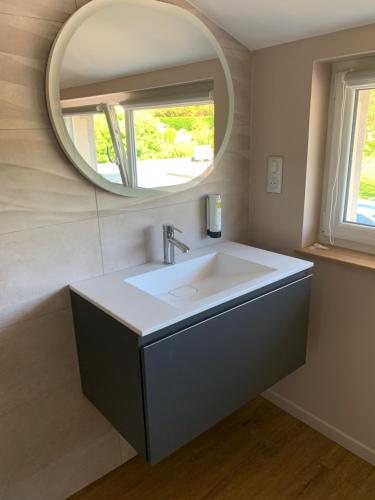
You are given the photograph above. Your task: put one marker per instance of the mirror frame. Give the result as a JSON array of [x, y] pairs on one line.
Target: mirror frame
[[53, 97]]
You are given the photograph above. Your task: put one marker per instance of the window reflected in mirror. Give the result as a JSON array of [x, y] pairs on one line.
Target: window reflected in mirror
[[146, 145]]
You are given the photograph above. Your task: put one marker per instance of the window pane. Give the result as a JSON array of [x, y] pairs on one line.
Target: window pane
[[360, 200], [91, 136], [173, 145], [105, 153]]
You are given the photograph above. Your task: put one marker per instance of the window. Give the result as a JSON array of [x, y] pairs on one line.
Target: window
[[172, 144], [348, 216], [153, 139]]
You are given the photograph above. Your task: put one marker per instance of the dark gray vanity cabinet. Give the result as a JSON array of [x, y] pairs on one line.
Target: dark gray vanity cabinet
[[162, 390]]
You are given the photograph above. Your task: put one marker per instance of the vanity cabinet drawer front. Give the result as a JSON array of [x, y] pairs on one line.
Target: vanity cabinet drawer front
[[200, 375]]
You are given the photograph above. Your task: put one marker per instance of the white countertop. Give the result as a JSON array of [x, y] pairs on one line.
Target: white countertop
[[144, 313]]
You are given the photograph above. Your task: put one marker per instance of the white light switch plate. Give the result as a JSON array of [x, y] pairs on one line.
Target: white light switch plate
[[274, 174]]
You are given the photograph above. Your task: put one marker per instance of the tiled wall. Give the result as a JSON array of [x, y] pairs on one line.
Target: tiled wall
[[56, 228]]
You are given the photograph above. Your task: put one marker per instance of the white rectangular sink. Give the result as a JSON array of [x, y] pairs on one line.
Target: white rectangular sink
[[198, 278], [152, 296]]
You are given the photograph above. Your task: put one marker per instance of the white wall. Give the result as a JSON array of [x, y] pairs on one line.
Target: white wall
[[334, 391]]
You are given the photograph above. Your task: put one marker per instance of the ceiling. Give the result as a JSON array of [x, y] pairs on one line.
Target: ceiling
[[263, 23], [129, 39]]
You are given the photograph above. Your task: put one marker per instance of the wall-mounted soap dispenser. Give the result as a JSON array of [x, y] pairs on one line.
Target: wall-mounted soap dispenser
[[214, 205]]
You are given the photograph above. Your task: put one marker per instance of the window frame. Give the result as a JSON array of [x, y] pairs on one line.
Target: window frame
[[347, 79]]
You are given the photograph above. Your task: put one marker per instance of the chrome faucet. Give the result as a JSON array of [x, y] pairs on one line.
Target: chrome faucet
[[169, 242]]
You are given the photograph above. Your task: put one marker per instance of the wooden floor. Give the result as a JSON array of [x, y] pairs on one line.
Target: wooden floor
[[259, 453]]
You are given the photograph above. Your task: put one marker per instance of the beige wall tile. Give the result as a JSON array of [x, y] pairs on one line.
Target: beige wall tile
[[46, 260], [235, 221], [47, 431], [71, 472], [24, 49], [46, 302], [38, 186], [36, 358], [127, 452], [136, 237], [53, 10], [27, 38]]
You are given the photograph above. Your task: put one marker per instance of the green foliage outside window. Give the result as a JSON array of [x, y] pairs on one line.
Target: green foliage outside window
[[367, 184], [104, 146]]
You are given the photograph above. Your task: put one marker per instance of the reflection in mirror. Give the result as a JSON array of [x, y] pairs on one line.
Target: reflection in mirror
[[143, 95]]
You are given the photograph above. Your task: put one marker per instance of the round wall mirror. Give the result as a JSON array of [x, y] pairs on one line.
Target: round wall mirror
[[140, 96]]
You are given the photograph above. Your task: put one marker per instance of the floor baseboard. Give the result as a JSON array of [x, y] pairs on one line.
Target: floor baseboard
[[321, 426]]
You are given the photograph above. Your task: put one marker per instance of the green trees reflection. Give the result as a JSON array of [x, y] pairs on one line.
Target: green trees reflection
[[160, 133]]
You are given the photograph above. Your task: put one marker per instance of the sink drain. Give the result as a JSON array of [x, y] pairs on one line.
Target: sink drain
[[183, 291]]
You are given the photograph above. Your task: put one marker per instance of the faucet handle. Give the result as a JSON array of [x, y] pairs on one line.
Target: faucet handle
[[171, 228]]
